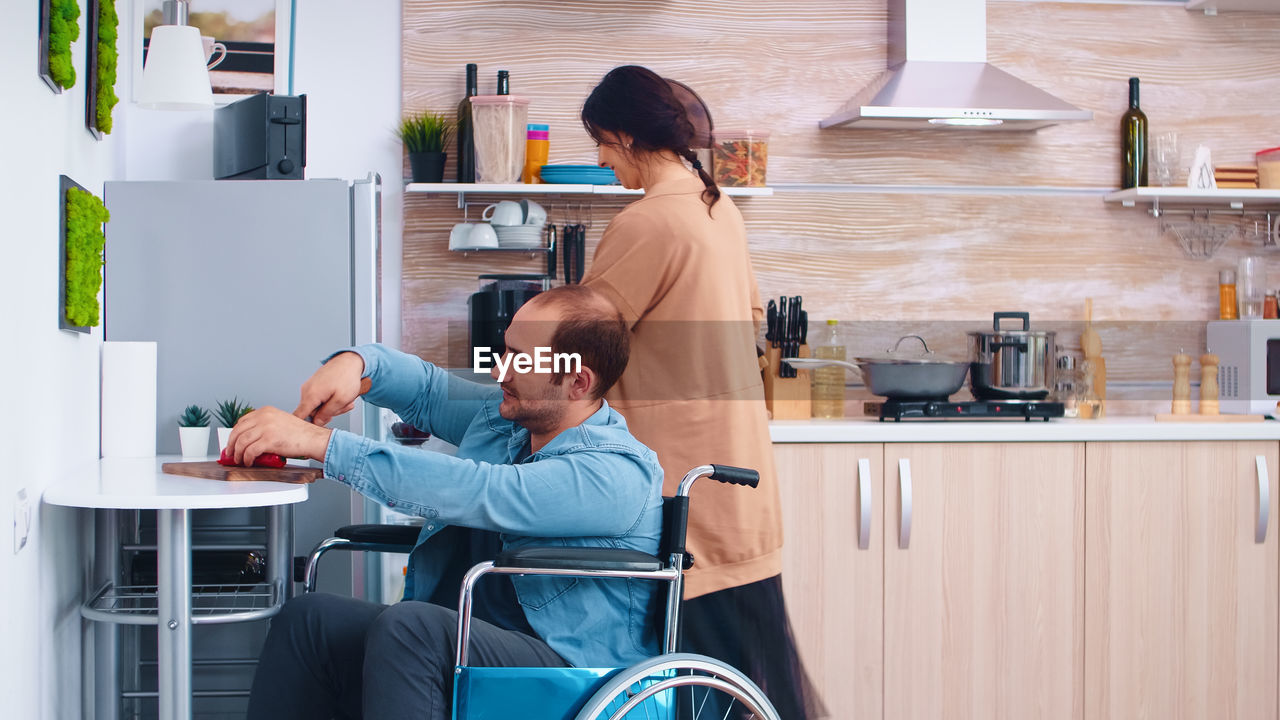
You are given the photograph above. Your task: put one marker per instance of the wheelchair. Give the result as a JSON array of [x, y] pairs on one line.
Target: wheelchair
[[669, 686]]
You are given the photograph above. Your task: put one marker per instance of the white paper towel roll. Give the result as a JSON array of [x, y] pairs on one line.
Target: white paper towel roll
[[128, 399]]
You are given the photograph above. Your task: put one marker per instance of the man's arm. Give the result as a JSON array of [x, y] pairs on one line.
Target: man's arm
[[582, 494], [422, 394]]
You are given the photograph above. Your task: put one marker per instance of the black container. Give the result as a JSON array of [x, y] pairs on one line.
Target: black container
[[427, 167], [492, 308]]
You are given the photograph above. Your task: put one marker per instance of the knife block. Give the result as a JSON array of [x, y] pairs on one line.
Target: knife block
[[786, 398]]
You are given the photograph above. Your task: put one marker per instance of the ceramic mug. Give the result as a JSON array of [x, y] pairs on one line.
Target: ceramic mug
[[507, 212], [468, 236], [211, 48], [534, 214]]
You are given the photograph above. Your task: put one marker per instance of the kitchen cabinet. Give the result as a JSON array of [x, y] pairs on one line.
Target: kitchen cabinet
[[1181, 609], [833, 497], [981, 551]]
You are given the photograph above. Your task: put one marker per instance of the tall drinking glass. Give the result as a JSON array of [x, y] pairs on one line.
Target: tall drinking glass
[[1251, 282], [1166, 158]]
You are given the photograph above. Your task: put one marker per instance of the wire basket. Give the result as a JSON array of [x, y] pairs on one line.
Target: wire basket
[[1199, 238]]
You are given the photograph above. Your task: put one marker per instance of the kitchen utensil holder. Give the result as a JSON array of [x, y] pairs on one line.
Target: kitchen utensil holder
[[786, 398], [1199, 238]]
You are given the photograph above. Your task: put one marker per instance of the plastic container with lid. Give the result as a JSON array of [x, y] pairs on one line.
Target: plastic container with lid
[[537, 149], [498, 122], [739, 157], [1269, 168]]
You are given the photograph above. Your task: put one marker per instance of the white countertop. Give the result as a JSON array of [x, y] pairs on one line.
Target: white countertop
[[138, 483], [1058, 430]]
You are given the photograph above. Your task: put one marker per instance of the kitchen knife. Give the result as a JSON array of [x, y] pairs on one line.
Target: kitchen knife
[[793, 323], [567, 244], [771, 324], [551, 251], [783, 368], [804, 327], [580, 254]]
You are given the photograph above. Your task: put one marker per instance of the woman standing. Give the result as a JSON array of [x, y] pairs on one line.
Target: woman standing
[[676, 265]]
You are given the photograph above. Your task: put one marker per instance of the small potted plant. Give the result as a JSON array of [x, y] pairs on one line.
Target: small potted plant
[[425, 137], [229, 413], [193, 431]]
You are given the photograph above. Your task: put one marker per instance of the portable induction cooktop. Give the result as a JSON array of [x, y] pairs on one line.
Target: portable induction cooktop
[[898, 410]]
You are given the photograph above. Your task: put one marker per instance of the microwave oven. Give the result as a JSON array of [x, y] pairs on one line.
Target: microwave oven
[[1248, 364]]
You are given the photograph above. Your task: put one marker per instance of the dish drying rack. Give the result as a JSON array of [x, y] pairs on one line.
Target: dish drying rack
[[1201, 233]]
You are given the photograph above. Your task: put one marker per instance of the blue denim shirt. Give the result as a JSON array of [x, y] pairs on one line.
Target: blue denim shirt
[[593, 485]]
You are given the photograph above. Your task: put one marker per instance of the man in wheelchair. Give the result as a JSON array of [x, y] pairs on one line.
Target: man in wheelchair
[[542, 459]]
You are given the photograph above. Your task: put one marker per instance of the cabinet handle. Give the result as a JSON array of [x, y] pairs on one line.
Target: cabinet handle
[[864, 503], [904, 503], [1264, 500]]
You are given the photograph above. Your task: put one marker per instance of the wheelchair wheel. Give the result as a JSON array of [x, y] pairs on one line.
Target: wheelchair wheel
[[678, 686]]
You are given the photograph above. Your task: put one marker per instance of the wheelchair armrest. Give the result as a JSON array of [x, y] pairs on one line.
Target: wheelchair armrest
[[380, 534], [563, 558]]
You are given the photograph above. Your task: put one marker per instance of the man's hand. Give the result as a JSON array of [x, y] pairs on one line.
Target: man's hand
[[272, 430], [332, 390]]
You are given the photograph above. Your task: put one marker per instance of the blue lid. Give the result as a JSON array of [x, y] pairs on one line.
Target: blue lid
[[544, 128]]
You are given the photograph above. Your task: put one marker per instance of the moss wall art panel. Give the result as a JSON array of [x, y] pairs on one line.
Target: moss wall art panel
[[59, 26], [80, 256], [102, 59]]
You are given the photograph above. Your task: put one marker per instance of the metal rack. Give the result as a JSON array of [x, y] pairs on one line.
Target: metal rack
[[1200, 236], [210, 604]]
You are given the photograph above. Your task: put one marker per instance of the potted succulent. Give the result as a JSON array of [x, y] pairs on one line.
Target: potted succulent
[[193, 431], [229, 413], [425, 137]]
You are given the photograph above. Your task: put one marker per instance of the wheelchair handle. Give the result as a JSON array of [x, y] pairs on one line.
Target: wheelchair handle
[[735, 475], [723, 473]]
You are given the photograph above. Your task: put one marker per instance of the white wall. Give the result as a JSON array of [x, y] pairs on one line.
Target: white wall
[[49, 377], [50, 420]]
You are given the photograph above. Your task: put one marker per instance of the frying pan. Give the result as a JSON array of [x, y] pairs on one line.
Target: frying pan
[[900, 377]]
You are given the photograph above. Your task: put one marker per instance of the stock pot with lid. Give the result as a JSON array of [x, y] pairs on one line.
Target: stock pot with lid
[[1011, 364]]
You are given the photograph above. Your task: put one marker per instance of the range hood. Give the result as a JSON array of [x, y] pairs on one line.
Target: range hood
[[939, 77]]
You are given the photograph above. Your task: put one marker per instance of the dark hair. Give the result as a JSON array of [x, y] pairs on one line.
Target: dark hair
[[594, 329], [637, 101]]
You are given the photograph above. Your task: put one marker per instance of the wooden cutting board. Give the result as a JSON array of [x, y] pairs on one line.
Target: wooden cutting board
[[213, 471]]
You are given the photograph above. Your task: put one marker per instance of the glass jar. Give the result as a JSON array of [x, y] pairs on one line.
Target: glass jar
[[1067, 386]]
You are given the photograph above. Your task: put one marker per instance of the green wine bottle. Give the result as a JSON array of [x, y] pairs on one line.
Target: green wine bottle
[[1133, 142], [466, 133]]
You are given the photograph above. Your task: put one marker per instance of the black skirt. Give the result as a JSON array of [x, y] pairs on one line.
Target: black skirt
[[747, 627]]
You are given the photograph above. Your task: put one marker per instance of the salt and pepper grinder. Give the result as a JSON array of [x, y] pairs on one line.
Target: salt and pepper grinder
[[1181, 384], [1208, 384]]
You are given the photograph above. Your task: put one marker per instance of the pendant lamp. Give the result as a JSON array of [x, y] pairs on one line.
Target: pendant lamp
[[175, 76]]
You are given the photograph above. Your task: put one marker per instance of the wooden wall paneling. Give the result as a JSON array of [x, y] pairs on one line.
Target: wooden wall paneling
[[914, 255]]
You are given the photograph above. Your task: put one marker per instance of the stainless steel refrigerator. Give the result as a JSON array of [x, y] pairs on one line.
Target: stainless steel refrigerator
[[245, 286]]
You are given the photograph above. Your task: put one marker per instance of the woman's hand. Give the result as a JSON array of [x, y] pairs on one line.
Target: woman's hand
[[332, 390], [272, 430]]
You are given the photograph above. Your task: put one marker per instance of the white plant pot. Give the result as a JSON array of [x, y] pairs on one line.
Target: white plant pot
[[195, 441], [223, 434]]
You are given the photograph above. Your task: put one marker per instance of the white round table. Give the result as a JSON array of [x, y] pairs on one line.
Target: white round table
[[139, 484]]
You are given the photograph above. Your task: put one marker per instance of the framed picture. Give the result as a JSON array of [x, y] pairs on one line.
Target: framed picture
[[248, 43]]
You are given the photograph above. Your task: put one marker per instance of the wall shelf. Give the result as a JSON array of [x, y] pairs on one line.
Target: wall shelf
[[1213, 7], [1210, 199], [531, 251], [550, 189]]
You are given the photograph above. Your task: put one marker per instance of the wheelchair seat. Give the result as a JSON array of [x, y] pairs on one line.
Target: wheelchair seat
[[670, 686]]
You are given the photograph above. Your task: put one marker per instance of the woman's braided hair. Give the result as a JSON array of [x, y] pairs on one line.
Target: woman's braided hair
[[655, 112]]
